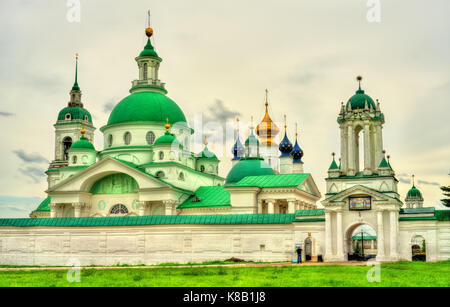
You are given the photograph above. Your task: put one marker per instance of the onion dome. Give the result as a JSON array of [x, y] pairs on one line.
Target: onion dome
[[248, 166], [297, 152], [168, 138], [146, 107], [206, 154], [267, 130], [238, 150], [414, 194], [82, 144], [360, 100], [285, 145], [252, 140]]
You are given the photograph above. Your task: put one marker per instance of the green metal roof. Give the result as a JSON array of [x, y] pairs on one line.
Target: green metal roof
[[149, 50], [76, 113], [205, 197], [384, 163], [272, 181], [316, 212], [82, 144], [358, 101], [333, 165], [168, 139], [220, 219], [248, 166], [44, 206], [414, 193], [442, 215], [146, 107], [206, 154], [417, 210]]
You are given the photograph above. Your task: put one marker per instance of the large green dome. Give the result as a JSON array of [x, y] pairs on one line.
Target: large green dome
[[358, 101], [248, 167], [146, 107], [76, 113]]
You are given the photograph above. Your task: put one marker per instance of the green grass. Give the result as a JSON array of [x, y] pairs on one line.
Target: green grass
[[392, 274]]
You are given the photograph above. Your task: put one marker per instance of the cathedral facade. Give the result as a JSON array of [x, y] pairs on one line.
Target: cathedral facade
[[146, 198]]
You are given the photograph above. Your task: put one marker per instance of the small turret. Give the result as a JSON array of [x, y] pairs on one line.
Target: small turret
[[286, 161], [414, 197], [297, 154], [82, 152], [334, 169], [252, 143]]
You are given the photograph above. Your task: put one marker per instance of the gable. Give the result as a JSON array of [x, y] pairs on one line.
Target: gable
[[356, 191]]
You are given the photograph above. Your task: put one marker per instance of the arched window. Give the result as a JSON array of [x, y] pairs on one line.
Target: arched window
[[181, 176], [145, 71], [119, 209], [74, 159], [86, 118], [150, 137], [68, 116], [161, 155], [160, 174], [202, 168], [110, 140], [67, 142], [127, 138]]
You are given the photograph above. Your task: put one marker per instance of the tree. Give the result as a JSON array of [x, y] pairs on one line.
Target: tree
[[446, 192]]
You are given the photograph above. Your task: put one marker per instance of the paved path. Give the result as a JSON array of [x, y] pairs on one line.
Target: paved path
[[250, 265]]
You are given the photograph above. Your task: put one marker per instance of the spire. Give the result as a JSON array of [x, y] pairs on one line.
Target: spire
[[267, 130], [333, 165], [75, 85], [148, 49]]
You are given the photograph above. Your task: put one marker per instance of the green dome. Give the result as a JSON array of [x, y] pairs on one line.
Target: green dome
[[414, 193], [248, 167], [82, 144], [76, 113], [146, 107], [149, 50], [206, 154], [358, 101], [167, 139]]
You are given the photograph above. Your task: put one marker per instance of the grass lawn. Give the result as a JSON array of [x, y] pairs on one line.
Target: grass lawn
[[392, 274]]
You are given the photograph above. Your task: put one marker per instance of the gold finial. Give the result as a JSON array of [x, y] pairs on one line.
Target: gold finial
[[359, 79], [333, 154], [149, 30], [384, 152], [285, 122], [388, 157], [296, 130], [167, 125], [267, 99], [76, 56], [205, 142], [251, 123], [83, 131], [413, 179]]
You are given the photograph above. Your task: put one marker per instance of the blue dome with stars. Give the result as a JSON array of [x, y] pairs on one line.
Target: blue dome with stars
[[285, 146], [297, 153], [238, 150]]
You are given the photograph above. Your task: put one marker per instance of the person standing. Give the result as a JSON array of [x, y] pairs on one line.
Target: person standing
[[299, 254]]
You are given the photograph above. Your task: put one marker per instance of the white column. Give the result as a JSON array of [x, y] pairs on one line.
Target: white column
[[328, 250], [351, 151], [260, 207], [344, 144], [340, 235], [141, 205], [169, 206], [367, 149], [53, 208], [393, 234], [380, 236], [291, 205], [270, 206], [77, 209], [379, 145]]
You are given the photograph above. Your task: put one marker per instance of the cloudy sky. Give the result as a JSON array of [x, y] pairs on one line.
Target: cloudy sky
[[219, 57]]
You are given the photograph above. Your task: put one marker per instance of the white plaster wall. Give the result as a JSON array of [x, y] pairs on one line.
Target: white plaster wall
[[145, 244]]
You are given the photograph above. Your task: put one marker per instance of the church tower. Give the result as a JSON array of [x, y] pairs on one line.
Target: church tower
[[414, 197], [267, 131], [71, 120]]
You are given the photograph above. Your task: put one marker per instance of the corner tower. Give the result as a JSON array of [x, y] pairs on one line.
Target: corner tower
[[71, 120]]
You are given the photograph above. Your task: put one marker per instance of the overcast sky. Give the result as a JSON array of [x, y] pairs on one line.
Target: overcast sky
[[223, 55]]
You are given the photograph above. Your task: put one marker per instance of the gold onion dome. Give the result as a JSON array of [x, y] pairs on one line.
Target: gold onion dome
[[267, 130]]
